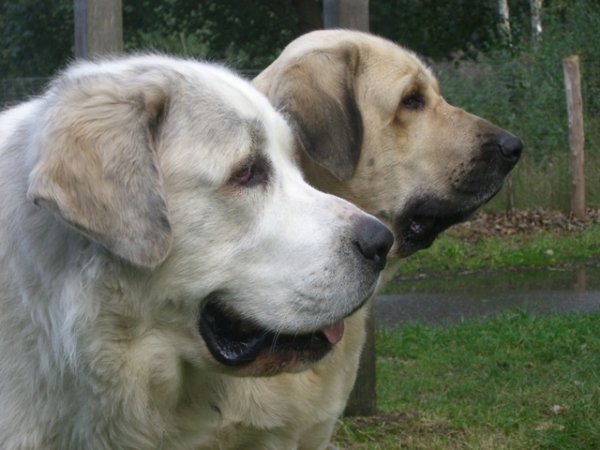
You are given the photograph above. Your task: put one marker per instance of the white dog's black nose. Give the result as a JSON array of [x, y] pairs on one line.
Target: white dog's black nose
[[510, 146], [373, 240]]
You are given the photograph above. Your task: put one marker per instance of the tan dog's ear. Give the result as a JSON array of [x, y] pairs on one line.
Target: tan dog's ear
[[97, 166], [316, 92]]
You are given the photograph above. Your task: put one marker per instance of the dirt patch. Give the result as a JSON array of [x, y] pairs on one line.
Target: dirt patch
[[486, 224], [383, 419], [407, 429]]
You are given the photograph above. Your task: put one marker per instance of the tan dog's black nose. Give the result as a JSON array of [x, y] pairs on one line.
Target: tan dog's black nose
[[374, 241], [511, 147]]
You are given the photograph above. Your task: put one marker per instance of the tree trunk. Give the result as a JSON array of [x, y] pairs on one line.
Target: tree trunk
[[504, 21], [536, 22]]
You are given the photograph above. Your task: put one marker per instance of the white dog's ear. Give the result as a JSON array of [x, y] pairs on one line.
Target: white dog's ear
[[316, 92], [97, 166]]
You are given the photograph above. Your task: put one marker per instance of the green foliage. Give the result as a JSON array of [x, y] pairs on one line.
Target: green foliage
[[246, 34], [436, 29], [37, 37]]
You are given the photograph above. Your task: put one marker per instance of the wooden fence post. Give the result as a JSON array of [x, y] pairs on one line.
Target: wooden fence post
[[510, 196], [98, 27], [330, 14], [354, 15], [576, 136], [349, 14], [363, 398]]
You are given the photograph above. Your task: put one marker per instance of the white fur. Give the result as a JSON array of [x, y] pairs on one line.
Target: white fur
[[99, 342]]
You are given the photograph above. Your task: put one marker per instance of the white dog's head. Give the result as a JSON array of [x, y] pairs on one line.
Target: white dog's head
[[182, 175]]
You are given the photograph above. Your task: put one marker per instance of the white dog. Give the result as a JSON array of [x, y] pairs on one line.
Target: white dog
[[157, 242]]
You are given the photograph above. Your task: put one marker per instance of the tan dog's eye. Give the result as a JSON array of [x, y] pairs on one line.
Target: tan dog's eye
[[413, 101]]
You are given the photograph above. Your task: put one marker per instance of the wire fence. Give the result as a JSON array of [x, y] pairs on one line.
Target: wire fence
[[15, 90], [528, 98], [590, 77]]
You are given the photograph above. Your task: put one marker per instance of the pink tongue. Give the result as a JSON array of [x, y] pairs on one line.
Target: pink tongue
[[335, 332]]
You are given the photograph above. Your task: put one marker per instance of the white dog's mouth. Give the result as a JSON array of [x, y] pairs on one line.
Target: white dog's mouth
[[234, 341]]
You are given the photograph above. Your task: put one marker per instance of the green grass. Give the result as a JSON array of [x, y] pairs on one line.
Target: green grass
[[514, 381], [550, 248]]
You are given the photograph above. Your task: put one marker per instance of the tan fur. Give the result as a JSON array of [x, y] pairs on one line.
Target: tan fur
[[348, 96], [125, 215]]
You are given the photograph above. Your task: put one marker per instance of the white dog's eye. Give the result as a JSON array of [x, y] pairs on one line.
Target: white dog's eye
[[255, 171], [244, 175], [413, 101]]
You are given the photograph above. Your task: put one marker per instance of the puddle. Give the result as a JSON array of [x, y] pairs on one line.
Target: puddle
[[449, 300]]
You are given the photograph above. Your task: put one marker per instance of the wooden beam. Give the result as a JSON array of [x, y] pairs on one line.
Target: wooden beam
[[349, 14], [330, 14], [354, 15], [576, 135], [363, 398], [98, 27]]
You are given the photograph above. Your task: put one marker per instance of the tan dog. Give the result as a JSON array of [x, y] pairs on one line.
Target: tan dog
[[372, 128], [155, 235]]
